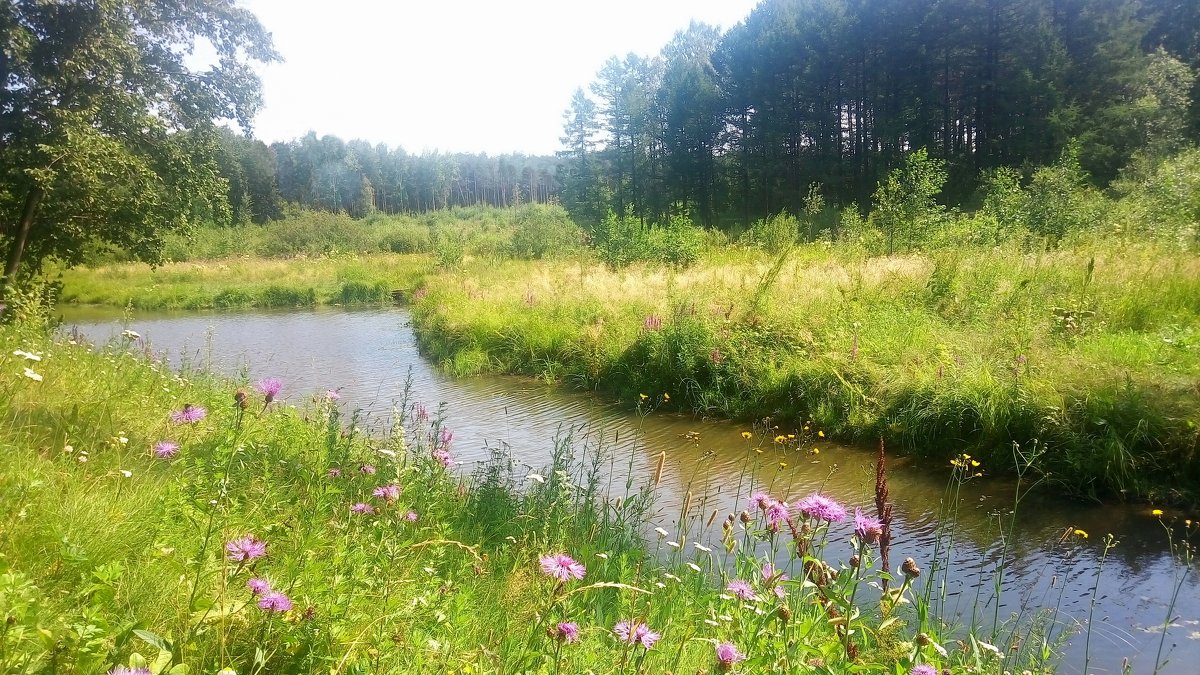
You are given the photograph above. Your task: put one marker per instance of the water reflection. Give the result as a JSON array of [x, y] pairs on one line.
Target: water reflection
[[371, 354]]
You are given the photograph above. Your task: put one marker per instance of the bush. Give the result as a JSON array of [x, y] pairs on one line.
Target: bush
[[623, 240], [773, 233], [543, 231], [906, 212]]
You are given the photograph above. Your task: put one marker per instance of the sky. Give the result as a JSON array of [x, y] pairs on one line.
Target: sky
[[453, 75]]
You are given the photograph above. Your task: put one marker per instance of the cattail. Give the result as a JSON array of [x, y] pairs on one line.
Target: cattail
[[687, 504], [662, 458], [711, 518]]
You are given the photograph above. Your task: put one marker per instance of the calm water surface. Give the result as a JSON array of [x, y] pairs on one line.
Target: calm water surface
[[369, 354]]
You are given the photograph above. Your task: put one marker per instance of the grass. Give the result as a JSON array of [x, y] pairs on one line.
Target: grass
[[111, 555], [1091, 350]]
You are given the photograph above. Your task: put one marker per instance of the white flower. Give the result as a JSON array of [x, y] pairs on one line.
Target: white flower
[[991, 648], [32, 375], [725, 617], [711, 623], [672, 577], [130, 335], [536, 477], [702, 547], [673, 544], [27, 355], [660, 584], [694, 566], [126, 473], [602, 556], [661, 532]]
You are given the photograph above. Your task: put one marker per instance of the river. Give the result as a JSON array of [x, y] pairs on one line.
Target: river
[[369, 354]]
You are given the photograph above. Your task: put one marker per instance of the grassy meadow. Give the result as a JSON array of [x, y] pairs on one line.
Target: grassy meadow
[[183, 523]]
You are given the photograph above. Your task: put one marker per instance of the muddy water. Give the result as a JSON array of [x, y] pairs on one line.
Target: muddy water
[[370, 354]]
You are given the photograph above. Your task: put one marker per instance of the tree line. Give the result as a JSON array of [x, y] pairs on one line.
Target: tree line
[[732, 127]]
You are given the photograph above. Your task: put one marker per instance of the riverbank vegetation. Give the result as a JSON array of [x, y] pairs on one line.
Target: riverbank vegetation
[[179, 522]]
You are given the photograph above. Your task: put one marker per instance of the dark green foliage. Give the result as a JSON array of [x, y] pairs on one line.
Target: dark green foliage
[[282, 296]]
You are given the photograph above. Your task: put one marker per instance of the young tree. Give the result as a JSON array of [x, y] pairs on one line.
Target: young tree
[[105, 131]]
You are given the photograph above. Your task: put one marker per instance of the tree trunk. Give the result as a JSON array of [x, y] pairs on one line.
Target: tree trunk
[[32, 201]]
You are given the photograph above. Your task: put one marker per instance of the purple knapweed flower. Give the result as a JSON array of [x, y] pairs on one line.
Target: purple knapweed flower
[[367, 469], [760, 500], [189, 414], [270, 388], [166, 449], [923, 669], [567, 631], [728, 655], [868, 529], [126, 670], [334, 473], [741, 590], [562, 567], [362, 507], [777, 514], [388, 493], [636, 634], [820, 507], [772, 578], [443, 457], [411, 516], [258, 586], [275, 602], [246, 548]]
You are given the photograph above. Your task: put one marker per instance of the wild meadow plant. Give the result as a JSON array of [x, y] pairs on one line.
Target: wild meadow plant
[[224, 529]]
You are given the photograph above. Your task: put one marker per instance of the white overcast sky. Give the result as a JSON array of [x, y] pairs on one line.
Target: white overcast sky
[[453, 75]]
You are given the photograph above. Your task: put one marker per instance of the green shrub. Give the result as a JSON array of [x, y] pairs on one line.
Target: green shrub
[[773, 233], [543, 231], [282, 296], [906, 212], [359, 293]]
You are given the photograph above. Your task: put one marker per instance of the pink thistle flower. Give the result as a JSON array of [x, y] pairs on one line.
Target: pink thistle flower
[[362, 508], [246, 548], [388, 493], [636, 634], [275, 602], [868, 529], [728, 655], [761, 500], [258, 586], [189, 414], [923, 669], [741, 590], [166, 449], [367, 469], [125, 670], [820, 507], [411, 516], [270, 388], [334, 473], [562, 567], [567, 631], [777, 513]]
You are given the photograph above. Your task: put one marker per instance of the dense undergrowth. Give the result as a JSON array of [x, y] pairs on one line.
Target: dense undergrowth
[[172, 521]]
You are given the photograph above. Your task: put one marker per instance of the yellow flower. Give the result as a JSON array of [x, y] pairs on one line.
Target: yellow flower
[[1156, 512], [643, 397], [780, 439], [814, 451], [974, 462], [666, 396], [758, 450], [791, 437], [1081, 533], [783, 465], [747, 435], [820, 434]]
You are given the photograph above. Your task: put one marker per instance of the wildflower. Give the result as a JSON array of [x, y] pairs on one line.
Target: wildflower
[[123, 670], [602, 556], [820, 507], [367, 469], [270, 388], [443, 457], [562, 567], [701, 547], [275, 601], [29, 372], [728, 655], [166, 449], [783, 465], [741, 590], [246, 548], [411, 516], [761, 500], [1081, 533], [445, 437], [642, 397], [661, 532], [29, 356], [868, 529], [923, 669], [536, 477], [910, 569], [693, 566], [388, 493], [240, 399], [780, 438], [190, 414], [130, 335], [332, 395], [666, 397], [334, 472], [566, 631], [820, 434], [747, 435], [1156, 513], [777, 513], [815, 451], [639, 633], [421, 412], [258, 586], [362, 507], [126, 473]]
